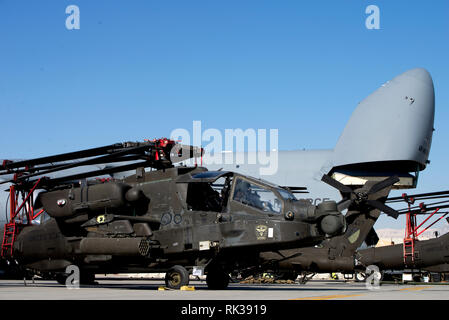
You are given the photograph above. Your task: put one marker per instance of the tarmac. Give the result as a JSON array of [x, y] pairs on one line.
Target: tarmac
[[153, 289]]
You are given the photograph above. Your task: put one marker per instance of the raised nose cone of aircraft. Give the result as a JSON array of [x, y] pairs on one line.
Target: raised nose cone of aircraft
[[420, 74], [392, 126]]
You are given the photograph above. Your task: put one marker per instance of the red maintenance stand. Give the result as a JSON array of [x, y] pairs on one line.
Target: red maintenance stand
[[21, 214], [412, 229]]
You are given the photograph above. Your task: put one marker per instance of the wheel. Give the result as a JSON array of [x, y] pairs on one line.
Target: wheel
[[359, 276], [176, 277], [216, 278]]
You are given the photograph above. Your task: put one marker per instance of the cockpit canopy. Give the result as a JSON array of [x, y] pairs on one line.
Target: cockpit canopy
[[212, 190]]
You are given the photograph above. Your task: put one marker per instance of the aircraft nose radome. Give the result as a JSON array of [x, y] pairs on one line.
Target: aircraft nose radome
[[397, 119], [420, 74]]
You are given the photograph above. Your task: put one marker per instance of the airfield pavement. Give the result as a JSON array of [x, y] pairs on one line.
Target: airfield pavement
[[131, 289]]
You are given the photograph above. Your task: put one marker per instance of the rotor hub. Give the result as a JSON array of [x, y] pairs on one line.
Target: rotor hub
[[360, 197]]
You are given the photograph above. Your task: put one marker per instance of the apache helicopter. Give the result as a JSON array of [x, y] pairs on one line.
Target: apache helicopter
[[430, 256], [414, 255], [343, 254], [337, 254], [178, 220]]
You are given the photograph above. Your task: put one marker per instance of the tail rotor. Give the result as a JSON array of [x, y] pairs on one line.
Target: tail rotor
[[360, 196]]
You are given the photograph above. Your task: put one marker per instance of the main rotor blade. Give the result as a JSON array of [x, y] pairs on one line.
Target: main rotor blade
[[63, 157], [56, 181], [382, 207], [337, 185], [383, 184], [422, 196], [426, 211], [102, 159]]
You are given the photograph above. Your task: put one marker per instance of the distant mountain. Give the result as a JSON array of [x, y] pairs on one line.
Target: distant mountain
[[396, 234]]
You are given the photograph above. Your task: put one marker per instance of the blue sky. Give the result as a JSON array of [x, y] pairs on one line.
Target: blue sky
[[139, 69]]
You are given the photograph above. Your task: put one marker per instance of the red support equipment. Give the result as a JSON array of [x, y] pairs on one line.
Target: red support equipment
[[434, 221], [17, 215], [27, 203], [411, 230], [9, 236]]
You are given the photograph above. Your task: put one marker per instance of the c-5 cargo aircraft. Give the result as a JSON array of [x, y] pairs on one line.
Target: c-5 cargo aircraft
[[389, 133]]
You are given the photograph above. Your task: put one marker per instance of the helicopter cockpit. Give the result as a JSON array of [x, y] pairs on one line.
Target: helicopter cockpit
[[256, 196], [212, 190]]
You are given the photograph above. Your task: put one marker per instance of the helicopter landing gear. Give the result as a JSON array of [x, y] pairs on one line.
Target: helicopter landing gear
[[176, 277], [360, 276], [217, 278]]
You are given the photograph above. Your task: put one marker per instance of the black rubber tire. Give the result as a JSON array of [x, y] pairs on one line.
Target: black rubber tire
[[359, 276], [216, 278], [176, 277]]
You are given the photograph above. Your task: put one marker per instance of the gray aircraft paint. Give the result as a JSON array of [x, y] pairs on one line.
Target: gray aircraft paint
[[296, 168], [393, 123]]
